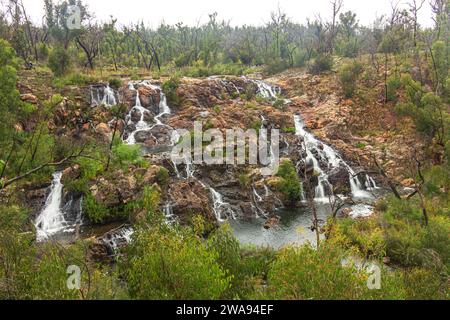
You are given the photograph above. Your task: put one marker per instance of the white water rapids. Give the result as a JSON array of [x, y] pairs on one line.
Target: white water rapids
[[103, 96], [142, 125], [51, 221], [328, 155]]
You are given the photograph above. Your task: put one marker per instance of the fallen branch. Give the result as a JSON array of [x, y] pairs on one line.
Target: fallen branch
[[6, 183], [388, 180]]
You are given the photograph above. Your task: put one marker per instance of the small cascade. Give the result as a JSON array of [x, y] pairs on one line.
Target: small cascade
[[142, 125], [190, 170], [177, 172], [258, 197], [257, 200], [222, 210], [52, 220], [267, 91], [103, 96], [168, 213], [315, 151], [118, 239]]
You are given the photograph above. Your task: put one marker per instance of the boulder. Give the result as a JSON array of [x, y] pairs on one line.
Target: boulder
[[339, 179], [29, 98], [190, 198], [104, 131], [150, 98]]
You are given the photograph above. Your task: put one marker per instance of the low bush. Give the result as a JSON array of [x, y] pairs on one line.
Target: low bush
[[320, 64]]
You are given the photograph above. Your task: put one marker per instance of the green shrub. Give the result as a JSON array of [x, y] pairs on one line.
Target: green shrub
[[125, 154], [290, 184], [227, 247], [300, 58], [75, 79], [279, 104], [320, 64], [96, 212], [288, 130], [439, 64], [59, 61], [393, 84], [275, 65], [164, 263], [170, 88], [115, 83], [43, 51], [305, 273], [348, 78], [249, 92], [244, 180], [162, 177]]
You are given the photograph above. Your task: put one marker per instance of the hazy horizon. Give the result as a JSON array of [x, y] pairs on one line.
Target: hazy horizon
[[238, 12]]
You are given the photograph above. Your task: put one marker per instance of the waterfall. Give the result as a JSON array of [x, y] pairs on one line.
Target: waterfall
[[142, 125], [105, 96], [51, 221], [258, 197], [168, 213], [118, 239], [266, 90], [222, 210], [327, 154]]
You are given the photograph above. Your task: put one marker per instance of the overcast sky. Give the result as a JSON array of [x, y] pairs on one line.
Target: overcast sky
[[238, 12]]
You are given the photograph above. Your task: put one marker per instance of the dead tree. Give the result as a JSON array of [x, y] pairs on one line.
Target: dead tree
[[337, 6]]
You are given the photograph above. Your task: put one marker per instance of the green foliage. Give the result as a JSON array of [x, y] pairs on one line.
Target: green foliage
[[290, 184], [348, 77], [166, 263], [305, 273], [279, 104], [95, 211], [440, 63], [247, 267], [162, 176], [322, 63], [249, 92], [393, 84], [115, 83], [274, 66], [300, 58], [170, 88], [288, 130], [59, 61], [32, 272], [365, 236], [43, 51], [10, 104], [244, 180], [75, 79], [124, 154]]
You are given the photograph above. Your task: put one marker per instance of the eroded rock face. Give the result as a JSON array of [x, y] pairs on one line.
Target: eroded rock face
[[190, 198], [116, 190], [212, 91], [339, 178]]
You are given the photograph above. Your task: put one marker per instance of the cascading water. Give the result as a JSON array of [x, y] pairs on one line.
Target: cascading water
[[222, 210], [103, 96], [267, 91], [142, 125], [316, 149], [168, 213], [118, 239], [51, 221]]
